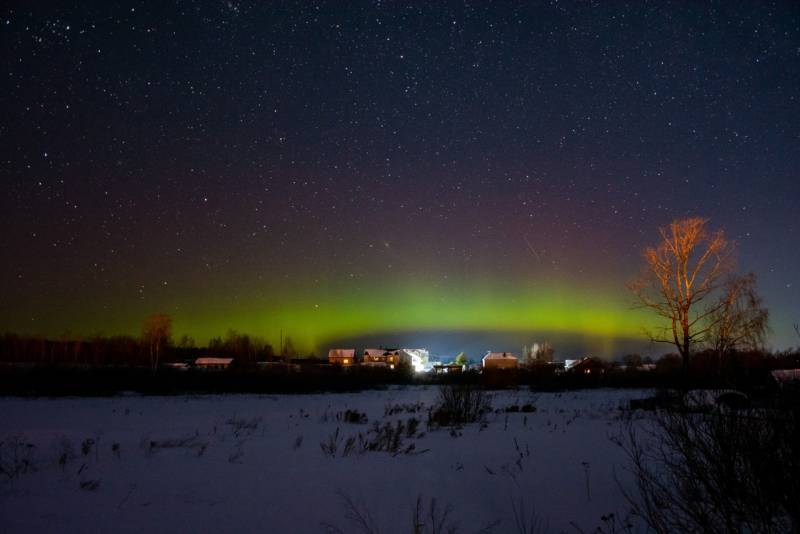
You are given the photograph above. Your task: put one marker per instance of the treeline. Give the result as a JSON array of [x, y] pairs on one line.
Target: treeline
[[132, 352], [746, 370], [95, 351], [750, 375]]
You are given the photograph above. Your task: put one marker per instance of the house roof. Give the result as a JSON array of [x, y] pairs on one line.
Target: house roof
[[499, 356], [341, 353], [586, 360], [381, 352], [213, 361]]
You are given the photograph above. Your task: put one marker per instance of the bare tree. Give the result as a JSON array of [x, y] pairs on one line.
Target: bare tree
[[739, 320], [683, 272], [288, 351], [544, 353], [187, 342], [156, 334], [537, 354]]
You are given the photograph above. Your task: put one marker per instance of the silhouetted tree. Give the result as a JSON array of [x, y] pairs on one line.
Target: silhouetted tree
[[289, 351], [669, 363], [527, 355], [537, 353], [544, 353], [156, 334], [632, 361], [186, 342], [739, 321]]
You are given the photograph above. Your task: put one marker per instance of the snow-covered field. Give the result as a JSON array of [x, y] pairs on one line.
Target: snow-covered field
[[244, 463]]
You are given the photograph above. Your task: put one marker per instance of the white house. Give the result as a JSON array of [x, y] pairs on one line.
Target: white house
[[418, 358]]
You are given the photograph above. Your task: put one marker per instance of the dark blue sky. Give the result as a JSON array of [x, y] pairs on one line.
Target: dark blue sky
[[217, 159]]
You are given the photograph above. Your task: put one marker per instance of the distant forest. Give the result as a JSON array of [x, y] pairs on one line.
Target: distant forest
[[130, 351]]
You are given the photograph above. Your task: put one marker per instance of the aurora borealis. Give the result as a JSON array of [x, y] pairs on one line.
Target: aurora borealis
[[337, 171]]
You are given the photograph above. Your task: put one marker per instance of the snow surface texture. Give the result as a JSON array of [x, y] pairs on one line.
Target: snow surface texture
[[245, 463]]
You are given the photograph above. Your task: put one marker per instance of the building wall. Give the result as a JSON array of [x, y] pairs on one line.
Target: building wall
[[338, 357], [500, 363], [388, 359]]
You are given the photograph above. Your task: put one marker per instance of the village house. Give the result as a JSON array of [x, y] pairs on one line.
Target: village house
[[208, 362], [345, 357], [381, 358], [448, 368], [585, 366], [500, 360], [417, 357]]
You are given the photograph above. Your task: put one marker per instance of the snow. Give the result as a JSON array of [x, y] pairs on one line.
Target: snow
[[250, 463]]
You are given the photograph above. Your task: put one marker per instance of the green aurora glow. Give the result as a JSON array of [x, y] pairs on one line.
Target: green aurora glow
[[311, 320], [315, 311]]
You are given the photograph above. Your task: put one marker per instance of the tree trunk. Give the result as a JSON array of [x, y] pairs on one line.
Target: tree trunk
[[155, 362], [686, 345], [685, 354]]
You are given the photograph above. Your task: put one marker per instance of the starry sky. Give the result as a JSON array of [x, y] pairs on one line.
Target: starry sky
[[340, 170]]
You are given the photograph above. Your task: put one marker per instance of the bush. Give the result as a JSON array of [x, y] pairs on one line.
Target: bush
[[241, 425], [717, 471], [89, 485], [431, 519], [353, 416], [383, 438], [386, 437], [458, 404], [16, 456], [330, 446], [64, 451], [516, 408], [392, 409], [192, 443]]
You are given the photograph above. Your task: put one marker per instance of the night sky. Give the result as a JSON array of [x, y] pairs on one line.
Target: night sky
[[342, 170]]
